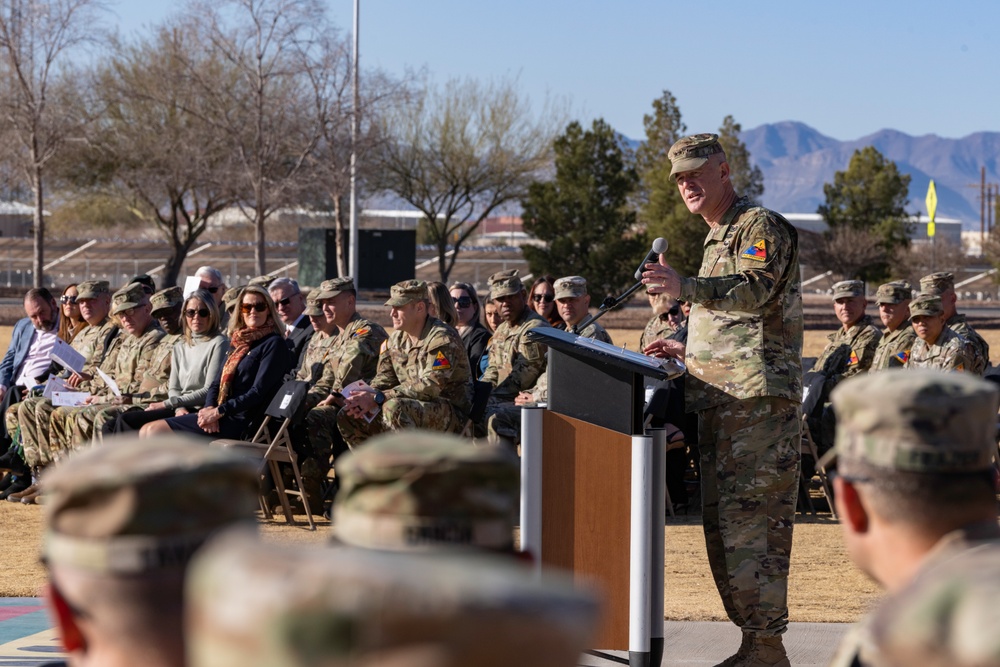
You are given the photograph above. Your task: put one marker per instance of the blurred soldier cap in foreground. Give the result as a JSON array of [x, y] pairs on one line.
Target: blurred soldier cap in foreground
[[136, 506], [505, 283], [570, 286], [848, 288], [690, 153], [916, 420], [331, 288], [926, 304], [167, 298], [91, 289], [253, 604], [420, 490], [895, 292], [937, 284], [406, 292]]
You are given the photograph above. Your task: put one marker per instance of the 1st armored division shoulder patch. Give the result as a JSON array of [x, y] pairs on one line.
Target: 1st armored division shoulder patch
[[758, 251]]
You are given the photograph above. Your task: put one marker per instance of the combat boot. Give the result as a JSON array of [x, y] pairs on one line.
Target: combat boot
[[741, 654], [766, 652]]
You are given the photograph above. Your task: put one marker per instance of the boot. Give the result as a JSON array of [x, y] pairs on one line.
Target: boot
[[18, 484], [28, 490], [766, 652], [741, 654], [30, 495]]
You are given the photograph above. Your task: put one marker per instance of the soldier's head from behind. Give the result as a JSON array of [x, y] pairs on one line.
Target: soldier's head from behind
[[507, 291], [914, 452], [166, 306], [338, 298], [426, 491], [94, 299], [572, 298], [849, 302], [941, 284], [408, 303], [928, 317], [131, 306], [122, 522], [698, 164], [893, 301]]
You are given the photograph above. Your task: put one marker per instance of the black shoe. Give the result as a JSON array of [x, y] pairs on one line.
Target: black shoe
[[19, 484], [12, 462], [7, 480]]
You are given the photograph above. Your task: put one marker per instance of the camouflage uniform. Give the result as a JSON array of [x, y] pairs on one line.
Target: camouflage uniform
[[426, 384], [894, 347], [924, 422], [978, 350], [950, 352], [744, 380], [658, 327], [849, 352]]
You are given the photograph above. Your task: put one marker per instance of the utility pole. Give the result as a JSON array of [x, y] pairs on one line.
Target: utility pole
[[353, 264]]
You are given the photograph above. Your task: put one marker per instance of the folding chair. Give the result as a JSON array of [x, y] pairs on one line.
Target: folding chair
[[286, 408], [810, 445], [480, 396]]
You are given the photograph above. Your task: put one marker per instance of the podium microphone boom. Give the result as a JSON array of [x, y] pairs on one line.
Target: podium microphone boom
[[660, 246]]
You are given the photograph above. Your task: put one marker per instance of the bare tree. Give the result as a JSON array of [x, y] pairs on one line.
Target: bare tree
[[36, 98], [844, 250], [459, 152]]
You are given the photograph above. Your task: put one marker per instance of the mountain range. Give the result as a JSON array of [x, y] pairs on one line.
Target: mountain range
[[797, 160]]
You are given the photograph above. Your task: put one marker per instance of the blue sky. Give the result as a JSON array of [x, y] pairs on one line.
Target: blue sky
[[846, 68]]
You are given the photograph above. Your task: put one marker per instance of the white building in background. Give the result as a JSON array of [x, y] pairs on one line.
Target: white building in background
[[947, 230]]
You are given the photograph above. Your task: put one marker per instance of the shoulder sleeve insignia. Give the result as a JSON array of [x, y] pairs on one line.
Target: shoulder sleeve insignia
[[960, 367], [758, 251], [903, 356], [441, 362], [384, 347], [362, 331], [854, 358]]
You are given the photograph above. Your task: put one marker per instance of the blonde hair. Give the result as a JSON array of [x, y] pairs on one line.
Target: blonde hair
[[237, 321]]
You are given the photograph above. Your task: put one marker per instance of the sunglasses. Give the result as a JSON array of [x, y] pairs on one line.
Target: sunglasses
[[547, 298], [674, 311], [462, 301], [286, 300], [200, 312], [212, 290], [259, 306], [67, 299]]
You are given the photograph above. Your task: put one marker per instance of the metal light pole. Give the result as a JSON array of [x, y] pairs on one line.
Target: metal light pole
[[353, 263]]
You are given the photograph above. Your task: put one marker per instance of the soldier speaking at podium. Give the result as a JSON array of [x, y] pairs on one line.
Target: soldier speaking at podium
[[745, 382]]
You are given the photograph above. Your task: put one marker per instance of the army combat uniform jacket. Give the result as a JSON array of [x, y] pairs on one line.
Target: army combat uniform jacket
[[978, 352], [657, 328], [849, 352], [515, 363], [352, 355], [948, 353], [894, 348]]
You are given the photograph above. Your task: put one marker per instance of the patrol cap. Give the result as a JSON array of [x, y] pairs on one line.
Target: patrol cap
[[254, 604], [925, 304], [167, 298], [130, 296], [895, 292], [334, 286], [570, 286], [134, 506], [418, 490], [690, 153], [406, 292], [505, 283], [91, 289], [937, 284], [313, 309], [232, 297], [847, 289], [917, 420], [262, 281]]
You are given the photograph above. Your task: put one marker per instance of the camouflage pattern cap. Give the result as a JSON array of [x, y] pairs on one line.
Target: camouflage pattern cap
[[91, 289], [570, 286], [334, 286], [262, 281], [418, 490], [137, 506], [313, 309], [167, 298], [505, 283], [406, 292], [232, 297], [690, 153], [848, 288], [130, 296], [311, 606], [895, 292], [937, 284], [926, 304], [917, 420]]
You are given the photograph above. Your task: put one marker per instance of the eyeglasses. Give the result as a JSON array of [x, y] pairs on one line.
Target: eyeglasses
[[462, 301], [538, 298], [67, 299], [200, 312], [211, 290], [258, 306], [287, 300]]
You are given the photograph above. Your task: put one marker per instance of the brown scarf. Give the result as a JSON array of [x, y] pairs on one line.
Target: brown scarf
[[238, 348]]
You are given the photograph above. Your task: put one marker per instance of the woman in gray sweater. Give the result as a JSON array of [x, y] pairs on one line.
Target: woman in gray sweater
[[194, 363]]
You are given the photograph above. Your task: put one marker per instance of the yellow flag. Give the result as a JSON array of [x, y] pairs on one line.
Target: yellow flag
[[931, 202]]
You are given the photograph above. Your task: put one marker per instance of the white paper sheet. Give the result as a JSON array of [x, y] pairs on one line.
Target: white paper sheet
[[361, 385], [69, 398], [108, 380], [64, 353]]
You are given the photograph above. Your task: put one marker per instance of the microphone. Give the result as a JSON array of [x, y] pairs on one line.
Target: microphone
[[660, 246]]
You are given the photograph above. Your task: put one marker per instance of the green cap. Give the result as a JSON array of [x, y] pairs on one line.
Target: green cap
[[91, 289], [895, 292], [134, 505], [232, 297], [690, 153], [334, 286], [406, 292], [570, 286], [255, 604], [848, 288], [505, 283], [262, 281], [937, 284], [130, 296], [418, 490], [917, 420], [925, 304], [313, 309], [167, 298]]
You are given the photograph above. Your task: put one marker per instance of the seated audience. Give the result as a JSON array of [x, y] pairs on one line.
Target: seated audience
[[474, 335], [70, 321], [541, 299]]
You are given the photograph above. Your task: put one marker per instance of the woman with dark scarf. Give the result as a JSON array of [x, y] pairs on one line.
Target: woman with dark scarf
[[252, 373]]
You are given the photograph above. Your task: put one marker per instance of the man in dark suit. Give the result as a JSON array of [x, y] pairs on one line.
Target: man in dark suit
[[291, 307]]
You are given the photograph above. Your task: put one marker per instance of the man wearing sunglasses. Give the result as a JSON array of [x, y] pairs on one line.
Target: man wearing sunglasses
[[916, 496], [291, 307]]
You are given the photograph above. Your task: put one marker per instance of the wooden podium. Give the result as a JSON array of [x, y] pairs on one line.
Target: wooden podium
[[592, 485]]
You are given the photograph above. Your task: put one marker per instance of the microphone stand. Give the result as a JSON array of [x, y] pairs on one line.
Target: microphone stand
[[610, 303]]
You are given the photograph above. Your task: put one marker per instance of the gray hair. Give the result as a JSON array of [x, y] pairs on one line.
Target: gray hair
[[215, 274], [284, 282]]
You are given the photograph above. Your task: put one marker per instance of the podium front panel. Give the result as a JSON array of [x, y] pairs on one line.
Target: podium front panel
[[586, 512], [596, 392]]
